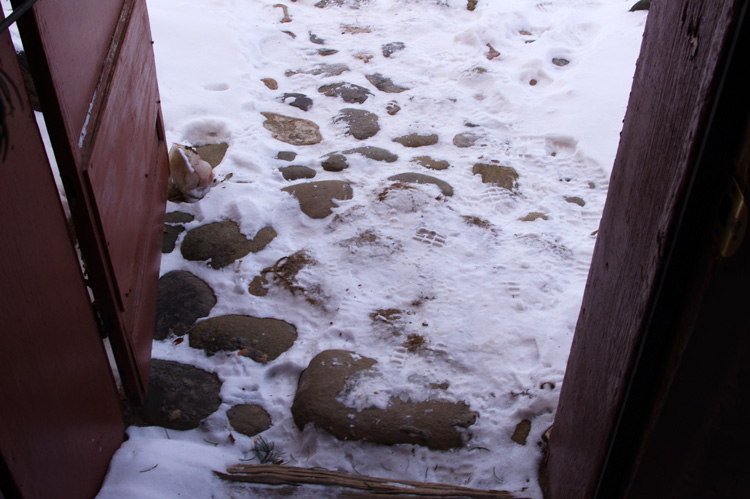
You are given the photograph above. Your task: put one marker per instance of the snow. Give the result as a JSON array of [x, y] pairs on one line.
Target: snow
[[496, 304]]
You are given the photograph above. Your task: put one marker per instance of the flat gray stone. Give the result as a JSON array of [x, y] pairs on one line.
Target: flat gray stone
[[417, 140], [501, 176], [560, 62], [385, 84], [392, 108], [349, 92], [261, 239], [575, 200], [212, 153], [534, 215], [335, 163], [286, 155], [465, 139], [181, 299], [249, 419], [325, 3], [316, 199], [431, 163], [270, 83], [521, 433], [179, 396], [222, 243], [327, 52], [324, 70], [391, 48], [260, 339], [178, 217], [295, 131], [435, 424], [374, 153], [419, 178], [300, 101], [169, 237], [360, 124], [296, 172]]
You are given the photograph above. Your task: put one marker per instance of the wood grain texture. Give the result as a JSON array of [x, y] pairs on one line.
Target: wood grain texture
[[667, 114], [291, 475], [115, 174], [78, 54], [691, 446], [60, 419], [126, 176]]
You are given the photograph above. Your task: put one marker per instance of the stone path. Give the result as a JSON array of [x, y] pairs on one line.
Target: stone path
[[411, 169]]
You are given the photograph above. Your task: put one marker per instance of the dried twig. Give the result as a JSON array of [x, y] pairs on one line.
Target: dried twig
[[290, 475]]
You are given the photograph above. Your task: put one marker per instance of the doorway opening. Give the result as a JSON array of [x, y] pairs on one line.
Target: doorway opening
[[411, 185]]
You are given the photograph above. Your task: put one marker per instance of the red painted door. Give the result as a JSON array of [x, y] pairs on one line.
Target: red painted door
[[94, 68], [59, 409]]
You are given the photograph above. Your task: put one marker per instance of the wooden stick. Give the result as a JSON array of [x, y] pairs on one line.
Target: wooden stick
[[291, 475]]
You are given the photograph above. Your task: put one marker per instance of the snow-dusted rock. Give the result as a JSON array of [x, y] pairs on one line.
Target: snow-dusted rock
[[419, 178], [179, 397], [316, 198], [360, 124], [431, 163], [435, 424], [261, 339], [296, 172], [249, 419], [286, 155], [374, 153], [391, 48], [385, 84], [169, 237], [324, 70], [300, 101], [465, 139], [222, 243], [335, 163], [349, 92], [417, 140], [295, 131], [501, 176], [212, 154], [182, 298]]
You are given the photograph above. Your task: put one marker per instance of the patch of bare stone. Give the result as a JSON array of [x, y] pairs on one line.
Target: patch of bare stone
[[436, 424]]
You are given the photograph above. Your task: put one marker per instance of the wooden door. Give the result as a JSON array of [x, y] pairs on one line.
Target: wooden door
[[60, 416], [94, 68], [655, 393]]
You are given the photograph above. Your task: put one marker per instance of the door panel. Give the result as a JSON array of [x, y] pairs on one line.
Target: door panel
[[119, 172], [60, 418], [83, 30], [109, 146]]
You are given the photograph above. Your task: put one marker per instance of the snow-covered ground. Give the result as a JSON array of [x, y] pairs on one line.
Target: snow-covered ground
[[496, 298]]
